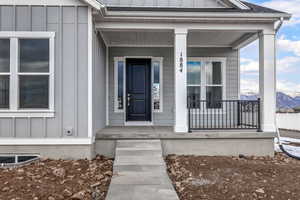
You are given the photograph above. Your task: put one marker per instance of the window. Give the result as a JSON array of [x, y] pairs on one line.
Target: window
[[119, 83], [4, 73], [205, 79], [157, 84], [27, 74]]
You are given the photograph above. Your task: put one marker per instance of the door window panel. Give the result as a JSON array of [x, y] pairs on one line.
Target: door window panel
[[213, 73], [4, 55], [34, 55], [4, 91], [194, 73], [214, 97], [34, 91]]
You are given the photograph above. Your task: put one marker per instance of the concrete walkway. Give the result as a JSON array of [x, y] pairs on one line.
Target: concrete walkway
[[140, 172]]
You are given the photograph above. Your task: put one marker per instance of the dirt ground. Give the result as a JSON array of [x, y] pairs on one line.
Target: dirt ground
[[224, 178], [57, 180]]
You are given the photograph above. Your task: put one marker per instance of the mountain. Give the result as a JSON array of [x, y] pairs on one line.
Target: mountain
[[284, 101]]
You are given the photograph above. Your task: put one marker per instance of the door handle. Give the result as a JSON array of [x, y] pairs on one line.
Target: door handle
[[128, 99]]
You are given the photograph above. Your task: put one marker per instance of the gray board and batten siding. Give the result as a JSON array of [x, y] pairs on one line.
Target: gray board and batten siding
[[99, 83], [70, 25], [166, 118]]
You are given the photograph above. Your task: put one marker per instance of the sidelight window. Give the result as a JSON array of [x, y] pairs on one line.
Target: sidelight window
[[157, 84], [119, 83]]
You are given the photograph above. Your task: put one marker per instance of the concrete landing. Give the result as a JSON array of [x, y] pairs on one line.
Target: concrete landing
[[140, 172]]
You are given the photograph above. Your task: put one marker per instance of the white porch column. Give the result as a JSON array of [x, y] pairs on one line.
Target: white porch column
[[267, 81], [180, 62]]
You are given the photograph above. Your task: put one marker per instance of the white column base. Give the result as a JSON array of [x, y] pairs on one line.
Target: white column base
[[180, 129], [268, 128]]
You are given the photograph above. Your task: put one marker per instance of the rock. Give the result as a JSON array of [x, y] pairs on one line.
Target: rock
[[78, 195], [67, 193], [59, 172], [51, 198], [95, 184], [35, 198], [5, 189], [260, 190], [99, 177], [108, 173]]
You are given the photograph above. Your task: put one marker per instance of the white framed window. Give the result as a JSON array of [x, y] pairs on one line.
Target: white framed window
[[206, 80], [120, 83], [157, 84], [27, 74]]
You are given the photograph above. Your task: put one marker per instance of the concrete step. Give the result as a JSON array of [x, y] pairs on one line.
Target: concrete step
[[142, 144], [139, 168], [139, 160], [141, 178], [141, 192], [142, 152]]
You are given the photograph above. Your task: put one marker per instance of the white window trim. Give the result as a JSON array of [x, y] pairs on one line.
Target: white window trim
[[116, 83], [203, 84], [123, 59], [160, 60], [14, 110]]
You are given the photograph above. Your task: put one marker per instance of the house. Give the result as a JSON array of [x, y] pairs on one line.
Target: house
[[76, 75]]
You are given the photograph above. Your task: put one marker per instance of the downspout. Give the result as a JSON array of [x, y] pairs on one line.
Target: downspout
[[277, 129]]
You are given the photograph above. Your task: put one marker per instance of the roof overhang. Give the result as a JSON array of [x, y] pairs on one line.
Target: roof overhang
[[189, 15], [238, 4], [94, 3]]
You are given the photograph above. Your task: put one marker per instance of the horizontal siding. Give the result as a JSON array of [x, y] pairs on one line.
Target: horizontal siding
[[166, 118], [70, 25]]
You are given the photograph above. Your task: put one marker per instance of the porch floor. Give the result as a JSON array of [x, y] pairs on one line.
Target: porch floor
[[166, 132]]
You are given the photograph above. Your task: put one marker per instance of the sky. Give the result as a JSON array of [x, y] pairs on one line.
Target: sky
[[288, 52]]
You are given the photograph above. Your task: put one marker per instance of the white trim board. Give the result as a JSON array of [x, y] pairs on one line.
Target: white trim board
[[45, 141], [44, 2], [90, 73]]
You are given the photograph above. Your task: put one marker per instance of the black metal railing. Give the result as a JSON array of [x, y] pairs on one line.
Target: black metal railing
[[223, 114]]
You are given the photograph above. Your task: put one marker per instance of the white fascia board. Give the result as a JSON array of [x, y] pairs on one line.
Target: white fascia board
[[207, 16], [45, 141], [43, 2]]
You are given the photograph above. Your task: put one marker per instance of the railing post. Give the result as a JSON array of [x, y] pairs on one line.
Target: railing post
[[239, 114], [189, 113], [258, 116]]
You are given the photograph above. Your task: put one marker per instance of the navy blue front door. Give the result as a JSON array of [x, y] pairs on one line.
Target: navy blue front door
[[138, 91]]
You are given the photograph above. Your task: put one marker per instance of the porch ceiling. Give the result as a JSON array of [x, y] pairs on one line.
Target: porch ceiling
[[165, 38]]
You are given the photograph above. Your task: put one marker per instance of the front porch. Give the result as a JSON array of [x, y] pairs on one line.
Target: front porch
[[189, 61], [211, 143]]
